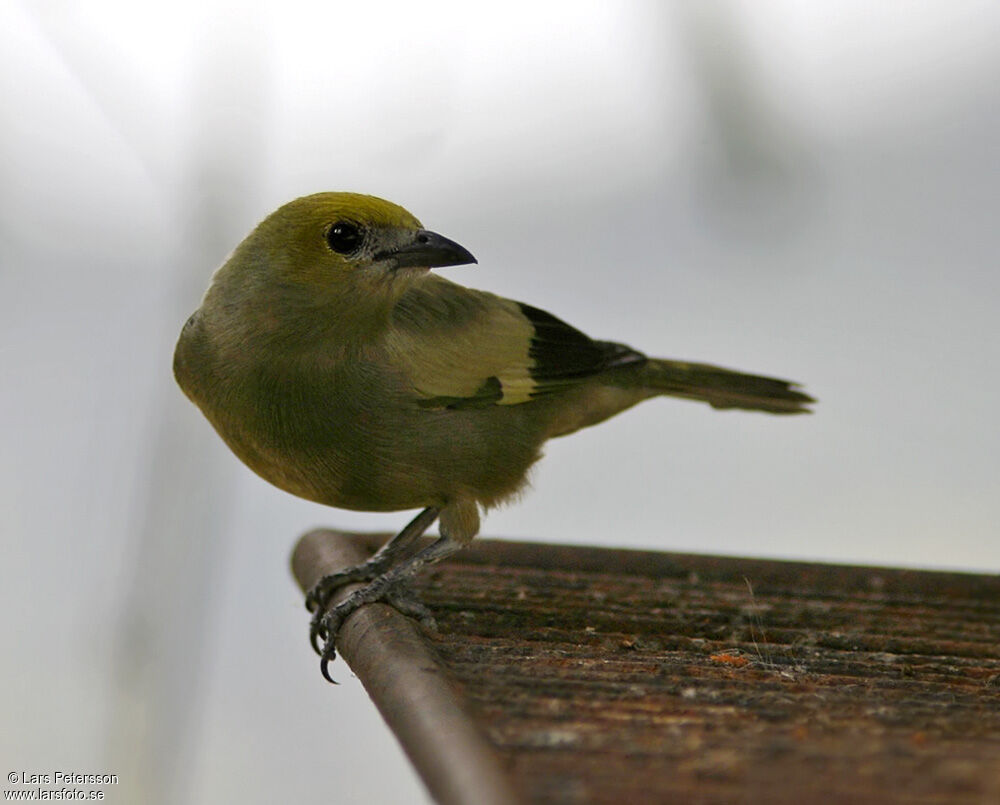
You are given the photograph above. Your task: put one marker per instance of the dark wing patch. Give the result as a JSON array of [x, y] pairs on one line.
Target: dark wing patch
[[563, 355], [616, 355]]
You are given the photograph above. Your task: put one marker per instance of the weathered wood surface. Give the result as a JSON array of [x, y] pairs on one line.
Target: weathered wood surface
[[624, 676]]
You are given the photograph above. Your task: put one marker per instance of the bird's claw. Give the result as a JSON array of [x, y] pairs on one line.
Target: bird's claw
[[325, 624], [319, 594], [316, 631], [317, 600], [328, 628], [324, 669]]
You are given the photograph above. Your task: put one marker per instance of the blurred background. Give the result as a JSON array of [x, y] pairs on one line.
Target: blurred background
[[793, 188]]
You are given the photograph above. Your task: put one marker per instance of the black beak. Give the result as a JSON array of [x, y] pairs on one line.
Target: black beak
[[430, 250]]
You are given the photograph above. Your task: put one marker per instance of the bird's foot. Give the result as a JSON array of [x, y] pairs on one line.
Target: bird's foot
[[325, 626], [402, 597], [319, 594]]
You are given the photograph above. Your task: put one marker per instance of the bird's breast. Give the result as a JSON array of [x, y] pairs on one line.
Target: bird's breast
[[353, 434]]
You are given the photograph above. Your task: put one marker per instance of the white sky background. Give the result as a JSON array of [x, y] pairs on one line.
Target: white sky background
[[775, 186]]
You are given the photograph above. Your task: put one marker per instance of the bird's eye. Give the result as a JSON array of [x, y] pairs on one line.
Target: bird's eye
[[344, 237]]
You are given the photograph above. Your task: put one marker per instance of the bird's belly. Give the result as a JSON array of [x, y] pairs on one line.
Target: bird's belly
[[337, 474], [373, 453]]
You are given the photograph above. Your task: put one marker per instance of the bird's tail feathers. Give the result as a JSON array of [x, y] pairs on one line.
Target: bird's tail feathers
[[724, 388]]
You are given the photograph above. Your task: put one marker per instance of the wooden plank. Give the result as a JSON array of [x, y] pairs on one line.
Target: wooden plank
[[629, 676], [412, 692]]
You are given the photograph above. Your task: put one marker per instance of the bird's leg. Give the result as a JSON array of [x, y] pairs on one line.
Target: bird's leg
[[385, 587], [385, 557], [380, 561]]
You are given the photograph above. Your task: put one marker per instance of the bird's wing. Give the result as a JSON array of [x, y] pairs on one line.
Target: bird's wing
[[463, 348]]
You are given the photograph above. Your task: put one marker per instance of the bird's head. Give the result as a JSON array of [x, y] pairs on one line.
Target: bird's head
[[328, 240]]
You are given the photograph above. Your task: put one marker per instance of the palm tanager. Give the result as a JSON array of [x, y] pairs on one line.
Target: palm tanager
[[339, 368]]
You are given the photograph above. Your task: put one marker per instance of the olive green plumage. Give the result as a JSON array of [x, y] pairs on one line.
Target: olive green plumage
[[339, 369]]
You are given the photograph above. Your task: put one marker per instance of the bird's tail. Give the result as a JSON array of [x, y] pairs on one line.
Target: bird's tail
[[724, 388]]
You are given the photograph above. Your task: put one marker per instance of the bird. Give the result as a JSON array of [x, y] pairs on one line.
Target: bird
[[340, 368]]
